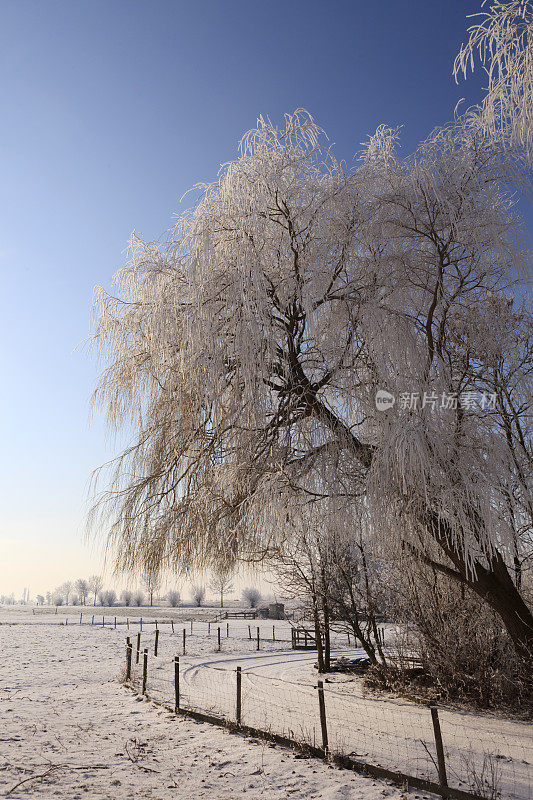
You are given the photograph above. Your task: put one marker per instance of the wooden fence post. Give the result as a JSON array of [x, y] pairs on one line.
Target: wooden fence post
[[191, 625], [209, 629], [92, 621], [218, 635], [258, 637], [141, 624], [145, 669], [184, 641], [81, 616], [172, 624], [227, 630], [249, 632], [128, 659], [441, 763], [273, 633], [322, 709], [176, 684], [128, 622], [138, 647], [103, 622], [239, 696], [115, 623], [156, 641]]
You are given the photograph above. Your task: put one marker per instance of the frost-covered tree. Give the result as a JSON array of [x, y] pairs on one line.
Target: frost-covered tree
[[65, 591], [95, 586], [126, 596], [174, 598], [198, 595], [40, 600], [502, 40], [221, 583], [82, 588], [151, 582], [251, 596], [138, 598], [254, 350]]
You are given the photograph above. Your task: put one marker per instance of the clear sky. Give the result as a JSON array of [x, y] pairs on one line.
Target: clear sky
[[110, 111]]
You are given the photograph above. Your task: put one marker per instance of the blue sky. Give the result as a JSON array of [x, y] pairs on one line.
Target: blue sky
[[110, 112]]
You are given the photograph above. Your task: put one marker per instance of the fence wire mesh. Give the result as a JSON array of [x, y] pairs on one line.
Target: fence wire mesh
[[492, 759]]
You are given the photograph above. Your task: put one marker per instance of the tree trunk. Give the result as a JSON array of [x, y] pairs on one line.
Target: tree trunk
[[318, 637]]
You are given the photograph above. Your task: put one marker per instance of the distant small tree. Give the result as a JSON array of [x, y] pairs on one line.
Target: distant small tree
[[75, 600], [151, 582], [95, 585], [110, 597], [251, 596], [65, 590], [173, 598], [197, 595], [138, 598], [40, 600], [221, 583], [82, 588], [127, 597], [58, 600], [48, 598]]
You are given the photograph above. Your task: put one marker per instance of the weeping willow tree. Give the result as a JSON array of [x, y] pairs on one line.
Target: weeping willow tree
[[246, 353], [502, 40]]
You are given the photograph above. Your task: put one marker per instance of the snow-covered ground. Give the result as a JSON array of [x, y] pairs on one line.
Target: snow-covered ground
[[68, 729], [69, 713]]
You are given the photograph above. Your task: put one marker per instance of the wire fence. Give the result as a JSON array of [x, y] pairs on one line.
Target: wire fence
[[450, 752]]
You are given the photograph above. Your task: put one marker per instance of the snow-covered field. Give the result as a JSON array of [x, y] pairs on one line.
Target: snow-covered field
[[65, 714], [68, 729]]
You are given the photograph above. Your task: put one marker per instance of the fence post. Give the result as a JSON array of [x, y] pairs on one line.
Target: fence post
[[209, 629], [138, 647], [81, 616], [115, 623], [239, 695], [103, 622], [128, 658], [156, 624], [156, 641], [218, 635], [176, 684], [172, 623], [249, 632], [258, 637], [145, 669], [92, 621], [441, 764], [191, 625], [273, 633], [322, 708], [128, 622], [184, 641], [141, 624], [227, 630]]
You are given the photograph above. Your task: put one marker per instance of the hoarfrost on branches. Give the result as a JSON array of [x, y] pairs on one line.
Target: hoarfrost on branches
[[247, 352]]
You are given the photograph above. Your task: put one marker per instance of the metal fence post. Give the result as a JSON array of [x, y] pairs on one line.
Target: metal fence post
[[441, 763], [322, 709]]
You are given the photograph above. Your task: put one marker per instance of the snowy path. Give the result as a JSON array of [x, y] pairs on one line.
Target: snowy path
[[69, 730], [279, 694]]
